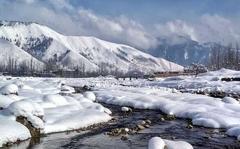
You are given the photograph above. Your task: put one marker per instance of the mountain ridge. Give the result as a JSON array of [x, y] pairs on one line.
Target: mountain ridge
[[45, 44]]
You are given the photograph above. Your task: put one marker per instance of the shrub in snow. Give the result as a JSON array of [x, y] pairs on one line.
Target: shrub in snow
[[90, 95], [9, 89], [230, 100], [57, 100]]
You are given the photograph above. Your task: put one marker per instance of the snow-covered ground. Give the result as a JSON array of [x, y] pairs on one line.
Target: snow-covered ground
[[39, 101], [210, 81], [162, 94]]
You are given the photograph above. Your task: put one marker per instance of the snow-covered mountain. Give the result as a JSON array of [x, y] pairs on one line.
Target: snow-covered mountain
[[45, 44], [10, 52], [183, 51]]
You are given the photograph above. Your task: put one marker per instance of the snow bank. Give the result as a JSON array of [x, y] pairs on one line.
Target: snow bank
[[203, 110], [38, 100], [234, 131], [67, 89], [9, 89], [230, 100], [156, 143], [159, 143], [12, 131], [90, 95], [5, 101], [32, 111]]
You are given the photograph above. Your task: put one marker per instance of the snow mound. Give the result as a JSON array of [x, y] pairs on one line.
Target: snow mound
[[57, 100], [159, 143], [12, 131], [67, 89], [39, 102], [32, 111], [230, 100], [5, 101], [25, 108], [234, 131], [156, 143], [203, 110], [89, 95], [9, 89]]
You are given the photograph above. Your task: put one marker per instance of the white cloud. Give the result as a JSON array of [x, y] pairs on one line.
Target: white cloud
[[119, 29], [67, 19], [208, 28], [26, 1], [78, 21]]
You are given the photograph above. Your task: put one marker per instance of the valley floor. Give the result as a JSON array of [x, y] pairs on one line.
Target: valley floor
[[52, 105]]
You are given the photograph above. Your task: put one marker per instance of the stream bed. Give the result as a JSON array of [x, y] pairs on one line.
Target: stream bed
[[97, 137]]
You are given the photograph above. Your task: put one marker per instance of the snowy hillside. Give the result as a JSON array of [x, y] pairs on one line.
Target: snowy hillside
[[183, 51], [10, 51], [71, 51]]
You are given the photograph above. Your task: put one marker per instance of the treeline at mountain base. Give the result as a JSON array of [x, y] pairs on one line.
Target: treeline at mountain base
[[219, 57]]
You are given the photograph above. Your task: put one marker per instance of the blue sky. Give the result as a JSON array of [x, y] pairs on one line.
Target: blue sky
[[161, 10], [139, 23]]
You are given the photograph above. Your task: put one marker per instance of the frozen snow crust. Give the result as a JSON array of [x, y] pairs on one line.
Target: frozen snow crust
[[47, 105]]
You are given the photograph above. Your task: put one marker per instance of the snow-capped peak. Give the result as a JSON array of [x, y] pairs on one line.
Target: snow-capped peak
[[44, 44]]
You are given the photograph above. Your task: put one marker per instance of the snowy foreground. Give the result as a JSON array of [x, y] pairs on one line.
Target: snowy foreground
[[51, 105], [162, 94], [40, 102]]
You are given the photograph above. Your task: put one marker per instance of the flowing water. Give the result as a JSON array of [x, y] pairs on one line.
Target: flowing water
[[96, 137]]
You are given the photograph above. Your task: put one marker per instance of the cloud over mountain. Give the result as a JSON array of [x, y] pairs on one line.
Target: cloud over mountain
[[74, 20]]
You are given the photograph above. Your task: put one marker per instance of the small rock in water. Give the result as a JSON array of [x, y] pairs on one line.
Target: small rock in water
[[124, 138], [140, 127], [143, 123], [170, 117], [147, 126], [126, 109], [148, 122], [189, 126], [162, 119], [126, 130]]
